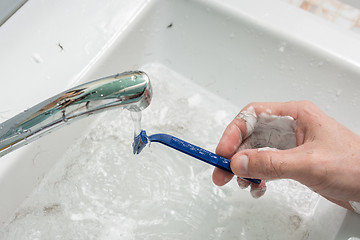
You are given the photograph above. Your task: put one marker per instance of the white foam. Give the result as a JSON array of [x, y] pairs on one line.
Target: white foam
[[266, 149], [250, 117], [273, 132]]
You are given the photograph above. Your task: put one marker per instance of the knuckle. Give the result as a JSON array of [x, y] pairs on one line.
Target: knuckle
[[309, 106], [310, 112]]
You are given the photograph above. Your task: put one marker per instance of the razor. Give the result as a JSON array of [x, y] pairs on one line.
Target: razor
[[142, 139]]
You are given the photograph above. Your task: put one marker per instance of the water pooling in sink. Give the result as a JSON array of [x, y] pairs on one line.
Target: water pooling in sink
[[100, 190]]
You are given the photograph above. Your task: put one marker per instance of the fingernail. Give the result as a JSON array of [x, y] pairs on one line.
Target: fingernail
[[242, 183], [242, 165], [227, 179], [258, 192]]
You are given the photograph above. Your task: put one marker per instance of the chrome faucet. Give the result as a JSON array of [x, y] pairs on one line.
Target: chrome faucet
[[131, 90]]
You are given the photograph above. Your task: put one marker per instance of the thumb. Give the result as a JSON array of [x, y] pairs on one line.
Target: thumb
[[270, 163]]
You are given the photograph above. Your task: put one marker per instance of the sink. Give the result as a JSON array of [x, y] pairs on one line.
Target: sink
[[206, 60], [352, 3]]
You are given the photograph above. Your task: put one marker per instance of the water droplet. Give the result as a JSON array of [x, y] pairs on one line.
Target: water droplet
[[338, 93], [133, 77], [64, 118], [19, 131], [282, 47], [37, 58]]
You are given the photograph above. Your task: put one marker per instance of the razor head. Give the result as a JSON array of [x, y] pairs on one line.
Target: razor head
[[140, 142]]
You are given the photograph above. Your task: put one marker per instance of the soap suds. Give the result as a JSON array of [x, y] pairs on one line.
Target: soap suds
[[221, 117], [267, 149], [250, 117], [267, 132], [194, 100]]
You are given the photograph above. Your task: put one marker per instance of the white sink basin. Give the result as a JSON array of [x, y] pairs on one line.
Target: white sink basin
[[206, 60]]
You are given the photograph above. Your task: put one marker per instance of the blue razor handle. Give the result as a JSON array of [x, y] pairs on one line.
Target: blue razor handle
[[211, 158]]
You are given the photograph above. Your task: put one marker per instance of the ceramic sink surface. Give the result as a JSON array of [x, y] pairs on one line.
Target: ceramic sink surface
[[240, 51]]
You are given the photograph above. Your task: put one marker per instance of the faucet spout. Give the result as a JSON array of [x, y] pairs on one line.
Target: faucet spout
[[131, 90]]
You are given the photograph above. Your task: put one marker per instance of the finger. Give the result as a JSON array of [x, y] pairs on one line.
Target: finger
[[243, 183], [258, 190], [221, 177], [230, 140], [291, 163], [239, 128]]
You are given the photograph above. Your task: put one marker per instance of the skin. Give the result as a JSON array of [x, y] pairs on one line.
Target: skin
[[326, 158]]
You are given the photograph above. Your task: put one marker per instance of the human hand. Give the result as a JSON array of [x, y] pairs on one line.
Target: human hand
[[325, 155]]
